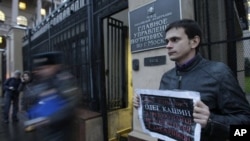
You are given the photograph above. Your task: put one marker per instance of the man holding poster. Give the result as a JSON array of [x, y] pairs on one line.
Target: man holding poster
[[222, 101]]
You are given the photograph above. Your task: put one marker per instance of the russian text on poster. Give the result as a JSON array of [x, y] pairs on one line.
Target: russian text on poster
[[168, 115]]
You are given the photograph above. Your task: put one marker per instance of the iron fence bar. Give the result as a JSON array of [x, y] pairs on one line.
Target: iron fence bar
[[101, 79], [208, 30], [231, 51]]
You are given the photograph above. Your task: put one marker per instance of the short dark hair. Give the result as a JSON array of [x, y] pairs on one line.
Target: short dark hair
[[191, 28]]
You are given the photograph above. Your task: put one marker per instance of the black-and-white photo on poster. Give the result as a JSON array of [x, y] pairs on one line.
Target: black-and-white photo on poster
[[168, 115]]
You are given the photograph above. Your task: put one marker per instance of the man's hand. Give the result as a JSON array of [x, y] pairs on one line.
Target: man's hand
[[201, 113], [136, 101]]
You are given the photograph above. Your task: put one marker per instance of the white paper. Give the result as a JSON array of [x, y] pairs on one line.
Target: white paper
[[168, 114]]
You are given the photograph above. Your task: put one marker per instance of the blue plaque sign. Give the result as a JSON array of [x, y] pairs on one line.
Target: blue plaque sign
[[148, 23]]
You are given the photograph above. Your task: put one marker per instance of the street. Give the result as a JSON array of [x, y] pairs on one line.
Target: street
[[13, 131]]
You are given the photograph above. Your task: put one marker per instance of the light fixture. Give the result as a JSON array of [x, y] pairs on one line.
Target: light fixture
[[2, 16], [2, 42], [22, 21], [43, 12], [22, 5]]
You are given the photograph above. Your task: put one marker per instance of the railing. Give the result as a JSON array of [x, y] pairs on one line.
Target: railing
[[56, 16]]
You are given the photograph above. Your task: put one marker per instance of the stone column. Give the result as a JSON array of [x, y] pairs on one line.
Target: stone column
[[14, 59], [38, 11], [1, 79], [11, 45], [17, 44], [8, 55], [14, 12]]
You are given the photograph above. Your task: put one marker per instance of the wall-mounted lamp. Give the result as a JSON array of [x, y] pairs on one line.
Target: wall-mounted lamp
[[22, 5], [43, 12]]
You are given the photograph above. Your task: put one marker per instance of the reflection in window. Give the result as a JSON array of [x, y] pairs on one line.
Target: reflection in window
[[22, 21], [2, 16]]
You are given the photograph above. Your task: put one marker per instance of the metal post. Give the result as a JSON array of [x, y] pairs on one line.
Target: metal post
[[99, 68], [29, 49], [231, 46]]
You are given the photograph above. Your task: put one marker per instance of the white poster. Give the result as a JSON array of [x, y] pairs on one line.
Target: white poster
[[168, 115]]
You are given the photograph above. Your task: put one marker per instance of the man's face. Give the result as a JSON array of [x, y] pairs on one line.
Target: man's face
[[26, 77], [180, 48]]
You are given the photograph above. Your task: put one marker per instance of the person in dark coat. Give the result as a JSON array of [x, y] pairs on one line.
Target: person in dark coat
[[11, 96], [56, 92], [24, 87], [223, 102]]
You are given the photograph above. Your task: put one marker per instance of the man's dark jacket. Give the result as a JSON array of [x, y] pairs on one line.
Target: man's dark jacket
[[219, 90], [12, 82]]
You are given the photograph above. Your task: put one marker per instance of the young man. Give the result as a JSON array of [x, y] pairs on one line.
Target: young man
[[223, 103], [11, 96]]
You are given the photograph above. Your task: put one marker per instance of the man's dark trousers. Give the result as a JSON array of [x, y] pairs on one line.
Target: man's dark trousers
[[8, 98]]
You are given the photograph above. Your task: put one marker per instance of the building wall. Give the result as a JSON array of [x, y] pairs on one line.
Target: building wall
[[4, 7], [14, 34]]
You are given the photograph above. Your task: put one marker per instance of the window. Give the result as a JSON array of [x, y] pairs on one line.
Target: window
[[2, 16], [22, 21], [22, 5], [43, 12]]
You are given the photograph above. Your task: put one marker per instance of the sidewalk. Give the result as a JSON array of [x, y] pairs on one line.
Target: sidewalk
[[13, 131]]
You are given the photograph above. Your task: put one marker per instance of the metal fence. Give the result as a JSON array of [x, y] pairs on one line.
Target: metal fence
[[72, 30], [225, 35], [69, 35]]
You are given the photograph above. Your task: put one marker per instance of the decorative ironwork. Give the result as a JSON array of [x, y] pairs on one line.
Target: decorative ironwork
[[68, 29], [115, 64]]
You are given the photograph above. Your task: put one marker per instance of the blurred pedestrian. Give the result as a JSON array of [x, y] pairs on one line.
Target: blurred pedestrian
[[56, 92], [11, 96]]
